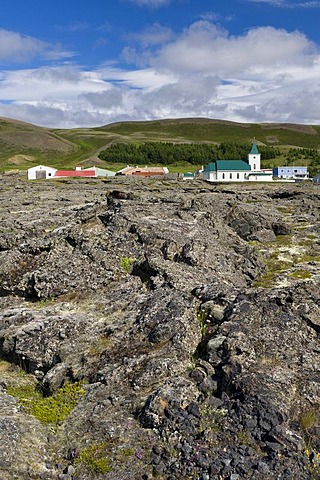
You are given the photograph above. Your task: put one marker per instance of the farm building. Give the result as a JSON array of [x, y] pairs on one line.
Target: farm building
[[292, 172], [78, 172], [143, 171], [101, 172], [41, 172]]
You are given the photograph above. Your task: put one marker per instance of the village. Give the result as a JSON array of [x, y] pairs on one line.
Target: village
[[217, 171]]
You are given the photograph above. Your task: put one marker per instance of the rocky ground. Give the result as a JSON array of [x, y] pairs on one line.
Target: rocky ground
[[189, 312]]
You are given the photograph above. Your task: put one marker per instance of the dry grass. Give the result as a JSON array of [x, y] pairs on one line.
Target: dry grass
[[20, 159], [4, 366]]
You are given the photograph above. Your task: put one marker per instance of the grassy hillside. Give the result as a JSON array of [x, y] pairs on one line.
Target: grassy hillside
[[206, 130], [23, 145]]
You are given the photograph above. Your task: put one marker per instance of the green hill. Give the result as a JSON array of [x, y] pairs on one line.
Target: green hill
[[23, 145]]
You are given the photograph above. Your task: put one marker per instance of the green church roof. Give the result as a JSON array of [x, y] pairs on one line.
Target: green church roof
[[211, 167], [227, 166], [254, 150], [235, 165]]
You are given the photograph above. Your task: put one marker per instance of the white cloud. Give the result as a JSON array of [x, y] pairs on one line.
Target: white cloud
[[147, 78], [73, 27], [151, 3], [64, 83], [156, 34], [18, 48], [284, 105], [205, 48], [275, 3], [289, 3], [265, 75]]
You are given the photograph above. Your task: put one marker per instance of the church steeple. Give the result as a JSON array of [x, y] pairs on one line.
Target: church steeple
[[254, 149], [254, 157]]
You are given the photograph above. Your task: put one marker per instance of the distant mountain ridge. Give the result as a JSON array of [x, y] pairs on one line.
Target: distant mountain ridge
[[23, 144]]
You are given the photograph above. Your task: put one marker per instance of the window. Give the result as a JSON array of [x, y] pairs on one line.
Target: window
[[238, 176], [230, 175], [254, 166], [223, 176]]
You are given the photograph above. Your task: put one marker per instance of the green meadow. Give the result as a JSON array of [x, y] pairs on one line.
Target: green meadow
[[23, 145]]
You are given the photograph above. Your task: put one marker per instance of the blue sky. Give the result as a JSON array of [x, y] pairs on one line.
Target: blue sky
[[73, 64]]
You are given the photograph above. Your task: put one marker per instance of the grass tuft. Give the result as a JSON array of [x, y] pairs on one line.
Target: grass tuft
[[126, 263]]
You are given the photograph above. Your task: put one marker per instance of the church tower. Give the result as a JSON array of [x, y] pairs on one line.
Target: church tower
[[254, 157]]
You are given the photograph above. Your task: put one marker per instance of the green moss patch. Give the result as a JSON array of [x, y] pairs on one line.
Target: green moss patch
[[275, 268], [302, 274], [307, 257], [52, 409], [95, 458], [102, 457], [284, 240], [286, 210]]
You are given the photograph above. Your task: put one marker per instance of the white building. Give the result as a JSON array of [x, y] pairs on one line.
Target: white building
[[41, 171], [238, 170], [291, 172], [101, 172]]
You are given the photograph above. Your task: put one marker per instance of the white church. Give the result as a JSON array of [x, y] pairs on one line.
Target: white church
[[238, 170]]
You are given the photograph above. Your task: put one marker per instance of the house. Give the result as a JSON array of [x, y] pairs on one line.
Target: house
[[41, 171], [193, 175], [316, 178], [188, 176], [101, 172], [78, 172], [143, 171], [238, 170], [292, 172]]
